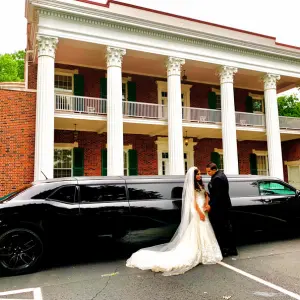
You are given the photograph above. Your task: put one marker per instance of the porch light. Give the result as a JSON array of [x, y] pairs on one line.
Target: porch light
[[186, 140]]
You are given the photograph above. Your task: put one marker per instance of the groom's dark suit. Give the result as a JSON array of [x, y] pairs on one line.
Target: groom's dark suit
[[219, 214]]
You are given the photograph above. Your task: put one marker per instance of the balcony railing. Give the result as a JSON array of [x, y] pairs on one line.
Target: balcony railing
[[201, 115], [88, 105], [97, 106], [289, 123], [250, 119]]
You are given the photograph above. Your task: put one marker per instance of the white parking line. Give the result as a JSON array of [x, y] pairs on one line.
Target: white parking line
[[269, 284], [36, 292]]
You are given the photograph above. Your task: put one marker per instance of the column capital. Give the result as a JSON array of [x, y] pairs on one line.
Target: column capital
[[270, 81], [226, 74], [46, 45], [114, 56], [173, 65]]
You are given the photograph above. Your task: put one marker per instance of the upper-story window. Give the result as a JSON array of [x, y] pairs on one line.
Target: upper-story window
[[257, 103], [63, 82]]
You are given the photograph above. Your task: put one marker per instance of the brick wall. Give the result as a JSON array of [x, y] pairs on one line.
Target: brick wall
[[17, 135], [32, 76], [93, 143], [204, 148], [290, 152]]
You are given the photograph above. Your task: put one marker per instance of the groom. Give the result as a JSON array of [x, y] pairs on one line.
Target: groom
[[218, 208]]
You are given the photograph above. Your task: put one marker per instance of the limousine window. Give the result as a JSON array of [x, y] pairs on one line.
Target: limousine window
[[102, 193], [64, 194], [142, 191], [243, 189], [268, 188]]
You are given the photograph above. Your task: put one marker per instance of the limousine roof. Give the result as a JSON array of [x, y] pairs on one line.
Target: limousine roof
[[165, 178]]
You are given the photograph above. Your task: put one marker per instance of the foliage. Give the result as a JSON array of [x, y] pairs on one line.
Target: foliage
[[289, 106], [12, 66]]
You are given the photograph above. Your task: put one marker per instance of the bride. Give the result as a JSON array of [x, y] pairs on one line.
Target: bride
[[193, 243]]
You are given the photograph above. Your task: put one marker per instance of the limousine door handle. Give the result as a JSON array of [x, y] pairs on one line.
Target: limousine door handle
[[267, 200]]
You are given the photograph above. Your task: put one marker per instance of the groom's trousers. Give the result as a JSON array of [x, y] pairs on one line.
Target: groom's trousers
[[223, 231]]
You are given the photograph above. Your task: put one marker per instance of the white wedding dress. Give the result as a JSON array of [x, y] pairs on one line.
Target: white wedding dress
[[193, 243]]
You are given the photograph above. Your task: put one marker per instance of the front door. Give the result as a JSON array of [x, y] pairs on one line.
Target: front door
[[294, 176]]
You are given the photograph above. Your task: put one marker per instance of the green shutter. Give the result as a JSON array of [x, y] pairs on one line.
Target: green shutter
[[78, 91], [249, 104], [104, 162], [253, 164], [131, 86], [133, 162], [103, 88], [215, 158], [78, 162], [103, 94], [212, 100]]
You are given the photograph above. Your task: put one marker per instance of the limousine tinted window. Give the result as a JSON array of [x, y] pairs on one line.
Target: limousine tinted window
[[243, 189], [268, 188], [142, 191], [64, 194], [102, 193], [39, 191]]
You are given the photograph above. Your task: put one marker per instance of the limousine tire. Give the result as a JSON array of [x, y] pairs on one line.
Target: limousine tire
[[21, 251]]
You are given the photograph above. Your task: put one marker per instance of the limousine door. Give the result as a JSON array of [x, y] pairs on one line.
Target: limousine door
[[104, 207], [155, 207], [281, 201], [248, 211]]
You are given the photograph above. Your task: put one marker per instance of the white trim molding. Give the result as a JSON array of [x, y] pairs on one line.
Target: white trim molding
[[108, 28], [293, 163], [260, 152]]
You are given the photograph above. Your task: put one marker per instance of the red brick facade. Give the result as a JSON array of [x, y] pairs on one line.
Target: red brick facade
[[17, 135], [290, 152], [17, 131]]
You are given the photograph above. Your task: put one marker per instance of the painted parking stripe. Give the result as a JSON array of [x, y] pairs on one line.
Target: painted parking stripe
[[36, 292], [269, 284]]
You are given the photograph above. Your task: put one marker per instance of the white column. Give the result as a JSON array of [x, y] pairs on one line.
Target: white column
[[115, 158], [272, 126], [230, 156], [175, 136], [44, 132]]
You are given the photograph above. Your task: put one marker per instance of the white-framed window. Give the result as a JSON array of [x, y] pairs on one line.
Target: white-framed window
[[262, 163], [257, 103], [165, 163], [126, 163], [64, 81], [63, 162], [220, 151], [163, 155], [162, 90]]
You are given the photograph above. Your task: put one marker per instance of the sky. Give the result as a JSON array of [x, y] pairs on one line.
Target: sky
[[280, 20]]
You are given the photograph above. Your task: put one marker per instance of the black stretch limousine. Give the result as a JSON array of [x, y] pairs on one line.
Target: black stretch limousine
[[133, 209]]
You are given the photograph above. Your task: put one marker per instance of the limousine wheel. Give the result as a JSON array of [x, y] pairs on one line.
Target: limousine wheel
[[21, 251]]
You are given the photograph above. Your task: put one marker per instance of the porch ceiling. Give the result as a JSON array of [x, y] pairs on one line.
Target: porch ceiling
[[90, 55]]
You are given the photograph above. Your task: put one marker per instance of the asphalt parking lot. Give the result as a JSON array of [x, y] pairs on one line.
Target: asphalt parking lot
[[266, 270]]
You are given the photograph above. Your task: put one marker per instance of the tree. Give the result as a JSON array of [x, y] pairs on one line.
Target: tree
[[12, 66], [289, 106]]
